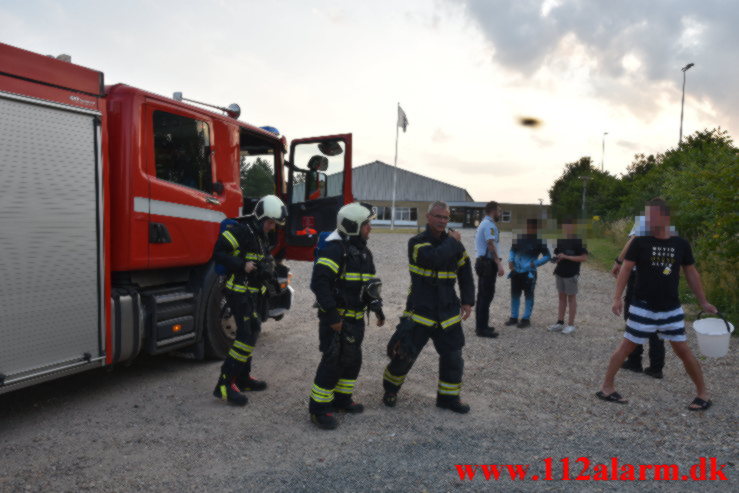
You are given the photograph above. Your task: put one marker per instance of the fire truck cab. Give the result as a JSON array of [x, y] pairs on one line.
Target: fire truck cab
[[113, 199]]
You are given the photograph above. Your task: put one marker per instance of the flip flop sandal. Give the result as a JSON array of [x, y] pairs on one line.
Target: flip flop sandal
[[702, 405], [614, 397]]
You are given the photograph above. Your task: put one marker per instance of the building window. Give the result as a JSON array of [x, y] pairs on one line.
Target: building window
[[383, 213], [505, 216], [406, 214], [182, 151]]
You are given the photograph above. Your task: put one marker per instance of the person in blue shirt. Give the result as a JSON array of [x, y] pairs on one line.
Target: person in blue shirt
[[523, 260], [488, 267]]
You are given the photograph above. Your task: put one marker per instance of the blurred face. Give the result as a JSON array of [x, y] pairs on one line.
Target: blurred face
[[531, 228], [269, 225], [496, 213], [437, 219], [568, 229], [364, 230], [657, 217]]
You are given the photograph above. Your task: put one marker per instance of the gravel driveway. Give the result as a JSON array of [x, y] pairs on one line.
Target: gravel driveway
[[154, 426]]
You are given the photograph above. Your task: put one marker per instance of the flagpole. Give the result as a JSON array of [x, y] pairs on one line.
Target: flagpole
[[395, 173]]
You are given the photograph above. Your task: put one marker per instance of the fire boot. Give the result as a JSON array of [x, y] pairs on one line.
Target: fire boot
[[350, 407], [250, 384], [455, 405], [324, 421], [229, 392]]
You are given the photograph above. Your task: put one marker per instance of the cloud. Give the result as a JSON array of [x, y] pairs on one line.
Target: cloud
[[626, 144], [440, 137], [633, 47]]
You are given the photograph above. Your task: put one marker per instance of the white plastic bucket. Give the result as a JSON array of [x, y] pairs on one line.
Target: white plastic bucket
[[713, 336]]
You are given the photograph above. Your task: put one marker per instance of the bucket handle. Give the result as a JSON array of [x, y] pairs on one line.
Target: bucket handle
[[728, 329]]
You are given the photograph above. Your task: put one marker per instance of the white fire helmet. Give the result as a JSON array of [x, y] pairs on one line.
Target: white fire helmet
[[352, 216], [271, 207]]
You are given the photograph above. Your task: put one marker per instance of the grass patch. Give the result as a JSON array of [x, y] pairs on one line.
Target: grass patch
[[602, 252]]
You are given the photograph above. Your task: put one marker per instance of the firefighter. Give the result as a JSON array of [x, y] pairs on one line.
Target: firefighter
[[244, 250], [437, 259], [346, 287]]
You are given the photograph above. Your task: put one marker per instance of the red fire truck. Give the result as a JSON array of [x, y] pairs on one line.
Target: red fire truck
[[111, 202]]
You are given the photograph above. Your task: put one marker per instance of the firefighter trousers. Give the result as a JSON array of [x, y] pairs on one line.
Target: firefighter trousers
[[448, 344], [340, 363], [238, 360]]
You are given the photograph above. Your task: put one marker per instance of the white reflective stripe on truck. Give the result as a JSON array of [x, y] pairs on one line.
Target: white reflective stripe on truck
[[171, 209]]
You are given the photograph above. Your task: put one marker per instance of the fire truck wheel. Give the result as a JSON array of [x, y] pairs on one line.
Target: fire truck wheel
[[219, 324]]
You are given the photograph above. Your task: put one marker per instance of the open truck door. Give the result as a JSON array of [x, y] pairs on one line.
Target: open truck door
[[319, 174]]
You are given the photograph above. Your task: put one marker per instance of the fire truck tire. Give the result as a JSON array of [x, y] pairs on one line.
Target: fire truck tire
[[219, 328]]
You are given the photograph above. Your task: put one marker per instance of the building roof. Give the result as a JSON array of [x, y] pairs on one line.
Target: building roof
[[374, 181]]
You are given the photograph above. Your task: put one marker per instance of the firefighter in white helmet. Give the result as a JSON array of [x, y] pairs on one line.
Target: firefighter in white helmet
[[346, 288], [244, 250]]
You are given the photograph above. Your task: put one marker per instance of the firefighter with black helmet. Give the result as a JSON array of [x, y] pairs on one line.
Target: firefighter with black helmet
[[244, 251], [437, 260], [346, 288]]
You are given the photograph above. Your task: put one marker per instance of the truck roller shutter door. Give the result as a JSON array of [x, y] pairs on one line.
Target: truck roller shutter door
[[50, 310]]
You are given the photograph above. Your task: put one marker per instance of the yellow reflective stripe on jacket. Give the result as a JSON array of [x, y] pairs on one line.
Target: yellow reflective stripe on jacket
[[328, 263], [231, 239], [253, 256], [356, 276], [432, 323], [422, 320], [253, 290], [350, 313], [462, 260], [416, 247], [233, 286], [441, 274], [451, 321]]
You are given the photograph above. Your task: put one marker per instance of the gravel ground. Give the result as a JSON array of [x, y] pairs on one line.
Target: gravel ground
[[154, 426]]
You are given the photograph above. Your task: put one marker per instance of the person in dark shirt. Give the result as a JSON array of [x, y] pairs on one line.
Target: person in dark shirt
[[569, 254], [655, 304]]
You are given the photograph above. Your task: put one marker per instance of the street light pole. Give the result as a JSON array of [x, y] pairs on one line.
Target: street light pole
[[603, 154], [682, 104]]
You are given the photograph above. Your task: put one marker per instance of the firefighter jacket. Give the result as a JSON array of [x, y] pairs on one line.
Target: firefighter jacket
[[342, 267], [435, 266], [238, 244]]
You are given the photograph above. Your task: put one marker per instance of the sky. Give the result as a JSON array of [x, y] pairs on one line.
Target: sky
[[464, 71]]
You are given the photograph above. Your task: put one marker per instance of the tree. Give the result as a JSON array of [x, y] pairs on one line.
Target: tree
[[603, 194], [257, 178]]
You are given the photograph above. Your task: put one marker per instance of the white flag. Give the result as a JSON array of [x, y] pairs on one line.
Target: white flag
[[402, 119]]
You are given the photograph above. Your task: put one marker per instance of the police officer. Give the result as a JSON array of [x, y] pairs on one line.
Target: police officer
[[488, 267], [345, 286], [437, 259], [244, 250]]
